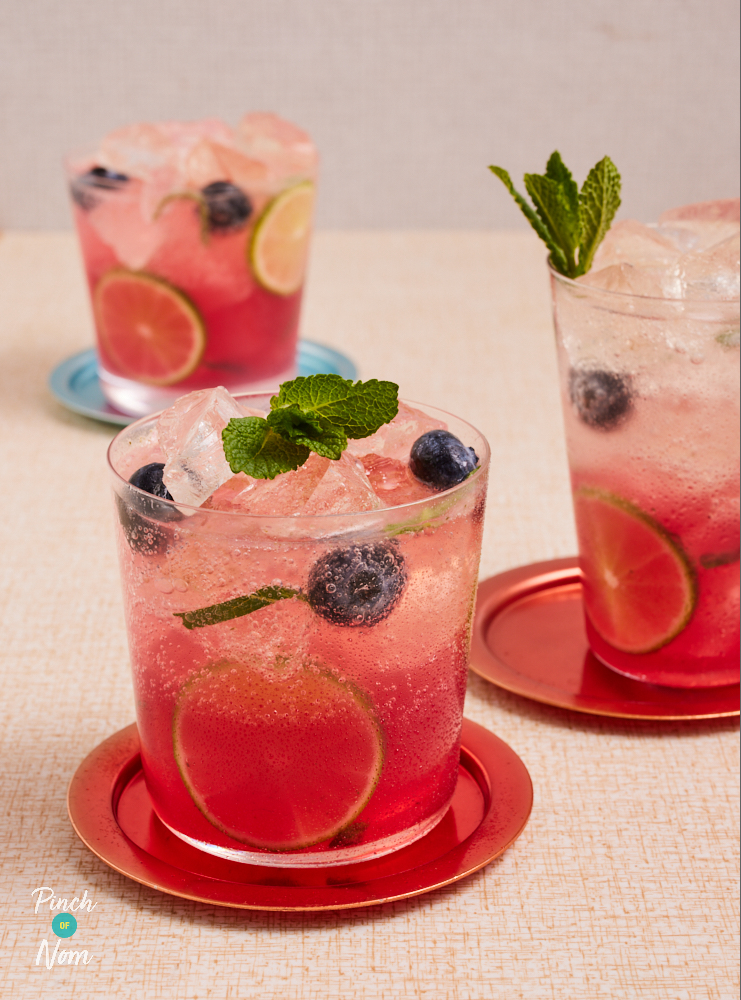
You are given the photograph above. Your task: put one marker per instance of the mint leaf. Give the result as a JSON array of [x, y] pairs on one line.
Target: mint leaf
[[308, 429], [252, 446], [552, 205], [599, 199], [358, 409], [311, 413], [557, 256], [557, 170], [569, 221], [236, 608]]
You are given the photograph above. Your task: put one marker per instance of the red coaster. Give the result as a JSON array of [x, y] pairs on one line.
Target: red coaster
[[112, 814], [529, 638]]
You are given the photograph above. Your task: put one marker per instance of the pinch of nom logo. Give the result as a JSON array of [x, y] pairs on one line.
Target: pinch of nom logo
[[63, 925]]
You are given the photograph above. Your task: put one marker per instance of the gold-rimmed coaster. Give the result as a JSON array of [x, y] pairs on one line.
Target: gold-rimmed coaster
[[529, 638], [111, 812]]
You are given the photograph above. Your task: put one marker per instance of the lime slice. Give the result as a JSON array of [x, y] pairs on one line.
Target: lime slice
[[639, 588], [278, 761], [150, 330], [280, 240]]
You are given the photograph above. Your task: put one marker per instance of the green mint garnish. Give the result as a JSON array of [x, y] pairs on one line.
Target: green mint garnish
[[236, 608], [312, 413], [571, 223]]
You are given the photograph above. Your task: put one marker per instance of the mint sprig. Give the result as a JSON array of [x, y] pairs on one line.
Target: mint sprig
[[311, 413], [571, 223], [214, 614]]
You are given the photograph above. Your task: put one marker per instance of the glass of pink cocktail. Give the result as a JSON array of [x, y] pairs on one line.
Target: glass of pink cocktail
[[648, 347], [299, 644], [194, 237]]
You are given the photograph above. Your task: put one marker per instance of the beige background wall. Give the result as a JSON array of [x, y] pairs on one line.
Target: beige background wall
[[409, 100]]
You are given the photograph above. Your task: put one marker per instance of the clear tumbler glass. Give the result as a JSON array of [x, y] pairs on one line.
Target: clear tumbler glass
[[650, 392], [308, 732]]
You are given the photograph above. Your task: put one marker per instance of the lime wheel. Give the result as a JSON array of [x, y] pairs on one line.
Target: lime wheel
[[149, 329], [280, 240], [639, 587], [276, 761]]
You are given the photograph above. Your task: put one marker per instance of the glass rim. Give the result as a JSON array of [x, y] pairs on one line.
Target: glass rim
[[480, 469], [624, 296]]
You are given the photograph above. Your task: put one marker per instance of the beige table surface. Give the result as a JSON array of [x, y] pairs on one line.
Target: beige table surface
[[624, 882]]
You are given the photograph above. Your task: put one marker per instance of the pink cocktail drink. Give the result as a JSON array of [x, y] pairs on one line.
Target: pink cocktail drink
[[194, 238], [648, 345], [299, 645]]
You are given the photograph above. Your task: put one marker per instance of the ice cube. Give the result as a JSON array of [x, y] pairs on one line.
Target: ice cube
[[721, 210], [134, 150], [184, 136], [629, 280], [343, 489], [141, 149], [118, 218], [202, 165], [395, 439], [229, 497], [319, 486], [285, 149], [630, 242], [211, 161], [712, 273], [285, 495], [393, 482], [190, 436], [696, 227]]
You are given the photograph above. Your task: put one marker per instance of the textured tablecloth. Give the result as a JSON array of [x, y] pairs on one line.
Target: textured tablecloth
[[624, 882]]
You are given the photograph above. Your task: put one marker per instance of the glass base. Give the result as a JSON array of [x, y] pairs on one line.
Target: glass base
[[318, 859], [139, 400], [662, 668]]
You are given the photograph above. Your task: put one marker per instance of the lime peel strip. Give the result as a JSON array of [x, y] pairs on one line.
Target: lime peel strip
[[201, 205], [237, 607]]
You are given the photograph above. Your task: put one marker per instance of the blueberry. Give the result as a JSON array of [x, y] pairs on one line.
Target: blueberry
[[603, 399], [83, 188], [149, 478], [144, 520], [228, 206], [440, 460], [357, 585]]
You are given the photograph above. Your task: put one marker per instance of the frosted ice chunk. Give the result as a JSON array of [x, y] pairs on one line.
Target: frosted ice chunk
[[118, 218], [721, 210], [190, 436], [229, 497], [395, 439], [212, 161], [393, 482], [140, 149], [287, 494], [712, 273], [693, 253], [285, 149], [630, 242], [183, 136], [134, 150], [697, 227], [319, 486], [629, 280], [343, 489]]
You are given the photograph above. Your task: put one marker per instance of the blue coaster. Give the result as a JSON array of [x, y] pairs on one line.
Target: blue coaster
[[74, 382]]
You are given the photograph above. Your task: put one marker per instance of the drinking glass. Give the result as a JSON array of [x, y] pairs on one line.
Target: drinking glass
[[194, 237], [650, 393], [319, 724]]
